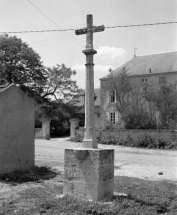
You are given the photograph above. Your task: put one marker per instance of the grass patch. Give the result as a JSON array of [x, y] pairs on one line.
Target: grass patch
[[34, 174], [142, 197]]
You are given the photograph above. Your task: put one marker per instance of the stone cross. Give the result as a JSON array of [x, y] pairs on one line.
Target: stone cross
[[89, 140]]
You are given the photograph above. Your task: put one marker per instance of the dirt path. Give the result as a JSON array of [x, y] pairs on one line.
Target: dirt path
[[134, 162]]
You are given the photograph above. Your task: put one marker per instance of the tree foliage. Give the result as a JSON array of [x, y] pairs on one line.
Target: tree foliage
[[59, 112], [130, 102], [165, 102], [59, 84], [126, 94], [139, 120], [19, 64]]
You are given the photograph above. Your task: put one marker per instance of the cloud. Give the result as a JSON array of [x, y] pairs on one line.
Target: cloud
[[107, 54], [105, 58], [99, 72]]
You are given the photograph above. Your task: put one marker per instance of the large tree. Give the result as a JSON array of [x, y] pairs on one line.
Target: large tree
[[19, 64], [120, 85], [59, 84]]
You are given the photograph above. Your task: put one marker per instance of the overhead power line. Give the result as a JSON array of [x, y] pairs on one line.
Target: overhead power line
[[137, 25], [44, 14], [118, 26], [41, 31], [53, 23]]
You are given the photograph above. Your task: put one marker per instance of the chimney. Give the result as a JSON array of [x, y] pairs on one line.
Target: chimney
[[135, 52]]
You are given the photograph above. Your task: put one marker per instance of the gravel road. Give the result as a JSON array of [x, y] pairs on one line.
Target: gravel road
[[134, 162]]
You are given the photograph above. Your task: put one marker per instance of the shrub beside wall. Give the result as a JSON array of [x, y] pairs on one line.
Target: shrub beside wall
[[160, 139]]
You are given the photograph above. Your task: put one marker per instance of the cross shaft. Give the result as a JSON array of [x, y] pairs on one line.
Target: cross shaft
[[89, 140]]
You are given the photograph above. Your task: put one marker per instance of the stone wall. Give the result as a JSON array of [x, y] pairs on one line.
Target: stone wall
[[123, 134], [17, 123]]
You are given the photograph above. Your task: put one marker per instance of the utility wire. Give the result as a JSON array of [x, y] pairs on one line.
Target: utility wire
[[43, 14], [124, 26], [118, 26], [53, 23], [41, 31]]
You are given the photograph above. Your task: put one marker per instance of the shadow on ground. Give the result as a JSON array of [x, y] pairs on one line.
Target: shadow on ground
[[36, 173]]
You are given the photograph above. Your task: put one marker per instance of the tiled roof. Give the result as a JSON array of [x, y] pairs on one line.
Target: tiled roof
[[156, 63], [78, 100]]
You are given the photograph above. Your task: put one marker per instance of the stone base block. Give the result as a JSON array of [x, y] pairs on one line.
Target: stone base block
[[89, 173]]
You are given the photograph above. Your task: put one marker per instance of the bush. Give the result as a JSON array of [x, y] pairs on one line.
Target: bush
[[58, 128], [78, 138], [144, 142], [162, 144], [139, 121]]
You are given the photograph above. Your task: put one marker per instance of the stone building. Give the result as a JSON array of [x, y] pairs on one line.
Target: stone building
[[150, 70]]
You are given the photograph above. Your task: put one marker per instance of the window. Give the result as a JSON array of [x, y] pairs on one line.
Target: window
[[98, 115], [144, 80], [113, 118], [162, 80], [113, 96]]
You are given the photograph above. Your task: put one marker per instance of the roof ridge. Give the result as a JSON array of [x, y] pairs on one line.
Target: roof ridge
[[140, 65], [155, 53]]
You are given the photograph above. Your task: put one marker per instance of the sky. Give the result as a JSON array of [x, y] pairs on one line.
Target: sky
[[114, 46]]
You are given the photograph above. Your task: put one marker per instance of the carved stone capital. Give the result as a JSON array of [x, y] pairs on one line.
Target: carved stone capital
[[89, 51]]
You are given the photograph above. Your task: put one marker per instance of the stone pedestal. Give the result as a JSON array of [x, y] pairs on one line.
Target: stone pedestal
[[46, 129], [89, 173], [74, 123]]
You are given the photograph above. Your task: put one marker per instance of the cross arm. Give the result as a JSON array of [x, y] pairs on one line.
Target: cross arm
[[94, 29]]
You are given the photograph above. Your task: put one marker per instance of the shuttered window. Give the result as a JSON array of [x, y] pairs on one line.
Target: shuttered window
[[116, 117], [107, 96]]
